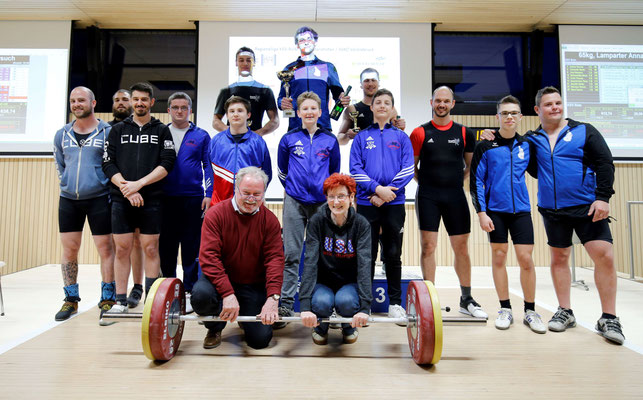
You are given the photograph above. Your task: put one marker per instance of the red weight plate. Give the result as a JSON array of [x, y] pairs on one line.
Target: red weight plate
[[421, 333], [164, 335]]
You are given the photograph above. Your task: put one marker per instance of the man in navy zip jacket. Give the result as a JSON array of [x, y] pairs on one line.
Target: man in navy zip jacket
[[139, 153], [311, 75], [184, 204], [499, 195], [381, 163], [306, 157], [575, 183], [78, 150]]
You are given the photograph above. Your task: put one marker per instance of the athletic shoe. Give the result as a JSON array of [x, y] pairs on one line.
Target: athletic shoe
[[134, 297], [352, 338], [561, 321], [335, 325], [117, 308], [611, 330], [320, 339], [188, 303], [212, 339], [505, 319], [283, 312], [68, 309], [534, 322], [471, 307], [105, 305], [397, 311]]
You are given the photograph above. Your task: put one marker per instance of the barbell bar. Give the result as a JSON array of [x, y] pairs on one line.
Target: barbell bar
[[163, 319]]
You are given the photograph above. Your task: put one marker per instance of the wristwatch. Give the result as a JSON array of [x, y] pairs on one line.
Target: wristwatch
[[276, 297]]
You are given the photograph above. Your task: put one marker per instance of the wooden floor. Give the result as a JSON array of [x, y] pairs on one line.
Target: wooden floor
[[79, 359]]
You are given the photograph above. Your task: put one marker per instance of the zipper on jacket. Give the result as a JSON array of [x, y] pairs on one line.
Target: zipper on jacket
[[80, 158], [511, 178], [138, 148]]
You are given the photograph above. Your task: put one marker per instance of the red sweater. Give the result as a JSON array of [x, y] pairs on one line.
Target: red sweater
[[244, 249]]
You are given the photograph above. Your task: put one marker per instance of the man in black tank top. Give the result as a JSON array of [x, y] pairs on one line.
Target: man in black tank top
[[370, 83], [443, 151]]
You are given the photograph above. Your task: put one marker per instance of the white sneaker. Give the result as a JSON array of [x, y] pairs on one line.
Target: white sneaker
[[188, 303], [335, 325], [471, 307], [118, 308], [397, 311], [532, 319], [505, 319]]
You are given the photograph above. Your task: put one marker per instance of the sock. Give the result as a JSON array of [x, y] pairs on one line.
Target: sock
[[121, 299], [530, 306], [608, 316], [569, 311], [466, 292], [505, 304], [148, 284], [139, 287], [107, 290], [71, 293]]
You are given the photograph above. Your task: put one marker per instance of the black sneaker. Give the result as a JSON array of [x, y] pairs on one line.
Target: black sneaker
[[611, 330], [68, 309], [134, 297], [283, 312]]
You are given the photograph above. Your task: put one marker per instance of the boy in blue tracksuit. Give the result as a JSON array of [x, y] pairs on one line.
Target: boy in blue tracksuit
[[84, 194], [184, 203], [381, 162], [499, 195], [311, 75], [306, 156]]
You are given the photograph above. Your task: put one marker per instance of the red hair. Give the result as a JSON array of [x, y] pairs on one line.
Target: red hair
[[336, 180]]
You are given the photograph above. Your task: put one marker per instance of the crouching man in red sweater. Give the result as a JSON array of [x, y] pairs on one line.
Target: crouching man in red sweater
[[242, 260]]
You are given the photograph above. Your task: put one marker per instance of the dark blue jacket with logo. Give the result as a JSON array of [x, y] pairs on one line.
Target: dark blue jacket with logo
[[497, 180], [192, 161], [304, 163], [579, 171]]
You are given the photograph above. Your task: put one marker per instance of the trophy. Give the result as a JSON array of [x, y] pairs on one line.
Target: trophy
[[285, 77], [353, 115]]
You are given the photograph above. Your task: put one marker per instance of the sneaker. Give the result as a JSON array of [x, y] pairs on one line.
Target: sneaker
[[212, 339], [352, 338], [611, 330], [188, 303], [134, 297], [320, 339], [68, 309], [283, 312], [105, 305], [397, 311], [561, 321], [505, 319], [534, 322], [335, 325], [117, 308], [471, 307]]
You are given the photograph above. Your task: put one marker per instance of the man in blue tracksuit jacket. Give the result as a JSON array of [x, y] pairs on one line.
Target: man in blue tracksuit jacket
[[84, 194], [306, 157], [499, 195], [184, 203], [381, 162], [311, 75]]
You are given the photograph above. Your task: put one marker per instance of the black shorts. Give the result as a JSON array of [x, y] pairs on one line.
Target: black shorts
[[560, 229], [72, 214], [449, 204], [519, 225], [126, 218]]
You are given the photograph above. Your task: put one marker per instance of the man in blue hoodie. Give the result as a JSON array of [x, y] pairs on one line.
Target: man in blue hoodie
[[84, 194], [184, 204]]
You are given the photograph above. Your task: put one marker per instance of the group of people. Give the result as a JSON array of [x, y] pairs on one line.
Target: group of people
[[150, 186]]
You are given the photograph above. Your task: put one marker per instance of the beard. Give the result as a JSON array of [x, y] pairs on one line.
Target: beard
[[121, 114], [84, 114]]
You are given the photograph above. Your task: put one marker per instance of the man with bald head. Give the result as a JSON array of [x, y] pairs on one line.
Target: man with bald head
[[84, 194], [443, 151]]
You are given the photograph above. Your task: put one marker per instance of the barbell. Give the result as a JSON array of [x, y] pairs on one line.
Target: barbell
[[163, 320]]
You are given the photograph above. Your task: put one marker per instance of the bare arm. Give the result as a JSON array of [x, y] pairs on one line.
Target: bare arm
[[218, 124], [130, 187], [416, 160], [467, 161], [346, 133], [270, 125]]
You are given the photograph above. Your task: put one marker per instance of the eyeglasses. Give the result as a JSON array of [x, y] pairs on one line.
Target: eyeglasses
[[177, 108], [505, 114], [248, 196], [340, 197]]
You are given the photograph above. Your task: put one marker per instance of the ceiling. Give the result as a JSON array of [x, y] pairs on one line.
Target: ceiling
[[453, 15]]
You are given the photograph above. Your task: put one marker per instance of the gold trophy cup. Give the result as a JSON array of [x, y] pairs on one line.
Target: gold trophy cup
[[285, 77], [354, 115]]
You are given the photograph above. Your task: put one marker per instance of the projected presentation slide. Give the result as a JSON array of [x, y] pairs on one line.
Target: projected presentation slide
[[603, 85], [33, 85]]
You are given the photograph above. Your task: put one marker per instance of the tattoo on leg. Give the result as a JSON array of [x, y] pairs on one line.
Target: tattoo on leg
[[70, 272]]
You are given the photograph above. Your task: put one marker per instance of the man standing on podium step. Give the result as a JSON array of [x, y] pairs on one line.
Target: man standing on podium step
[[443, 151], [311, 74]]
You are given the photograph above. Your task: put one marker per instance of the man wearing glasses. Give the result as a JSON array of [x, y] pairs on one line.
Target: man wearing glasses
[[184, 203], [242, 260]]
